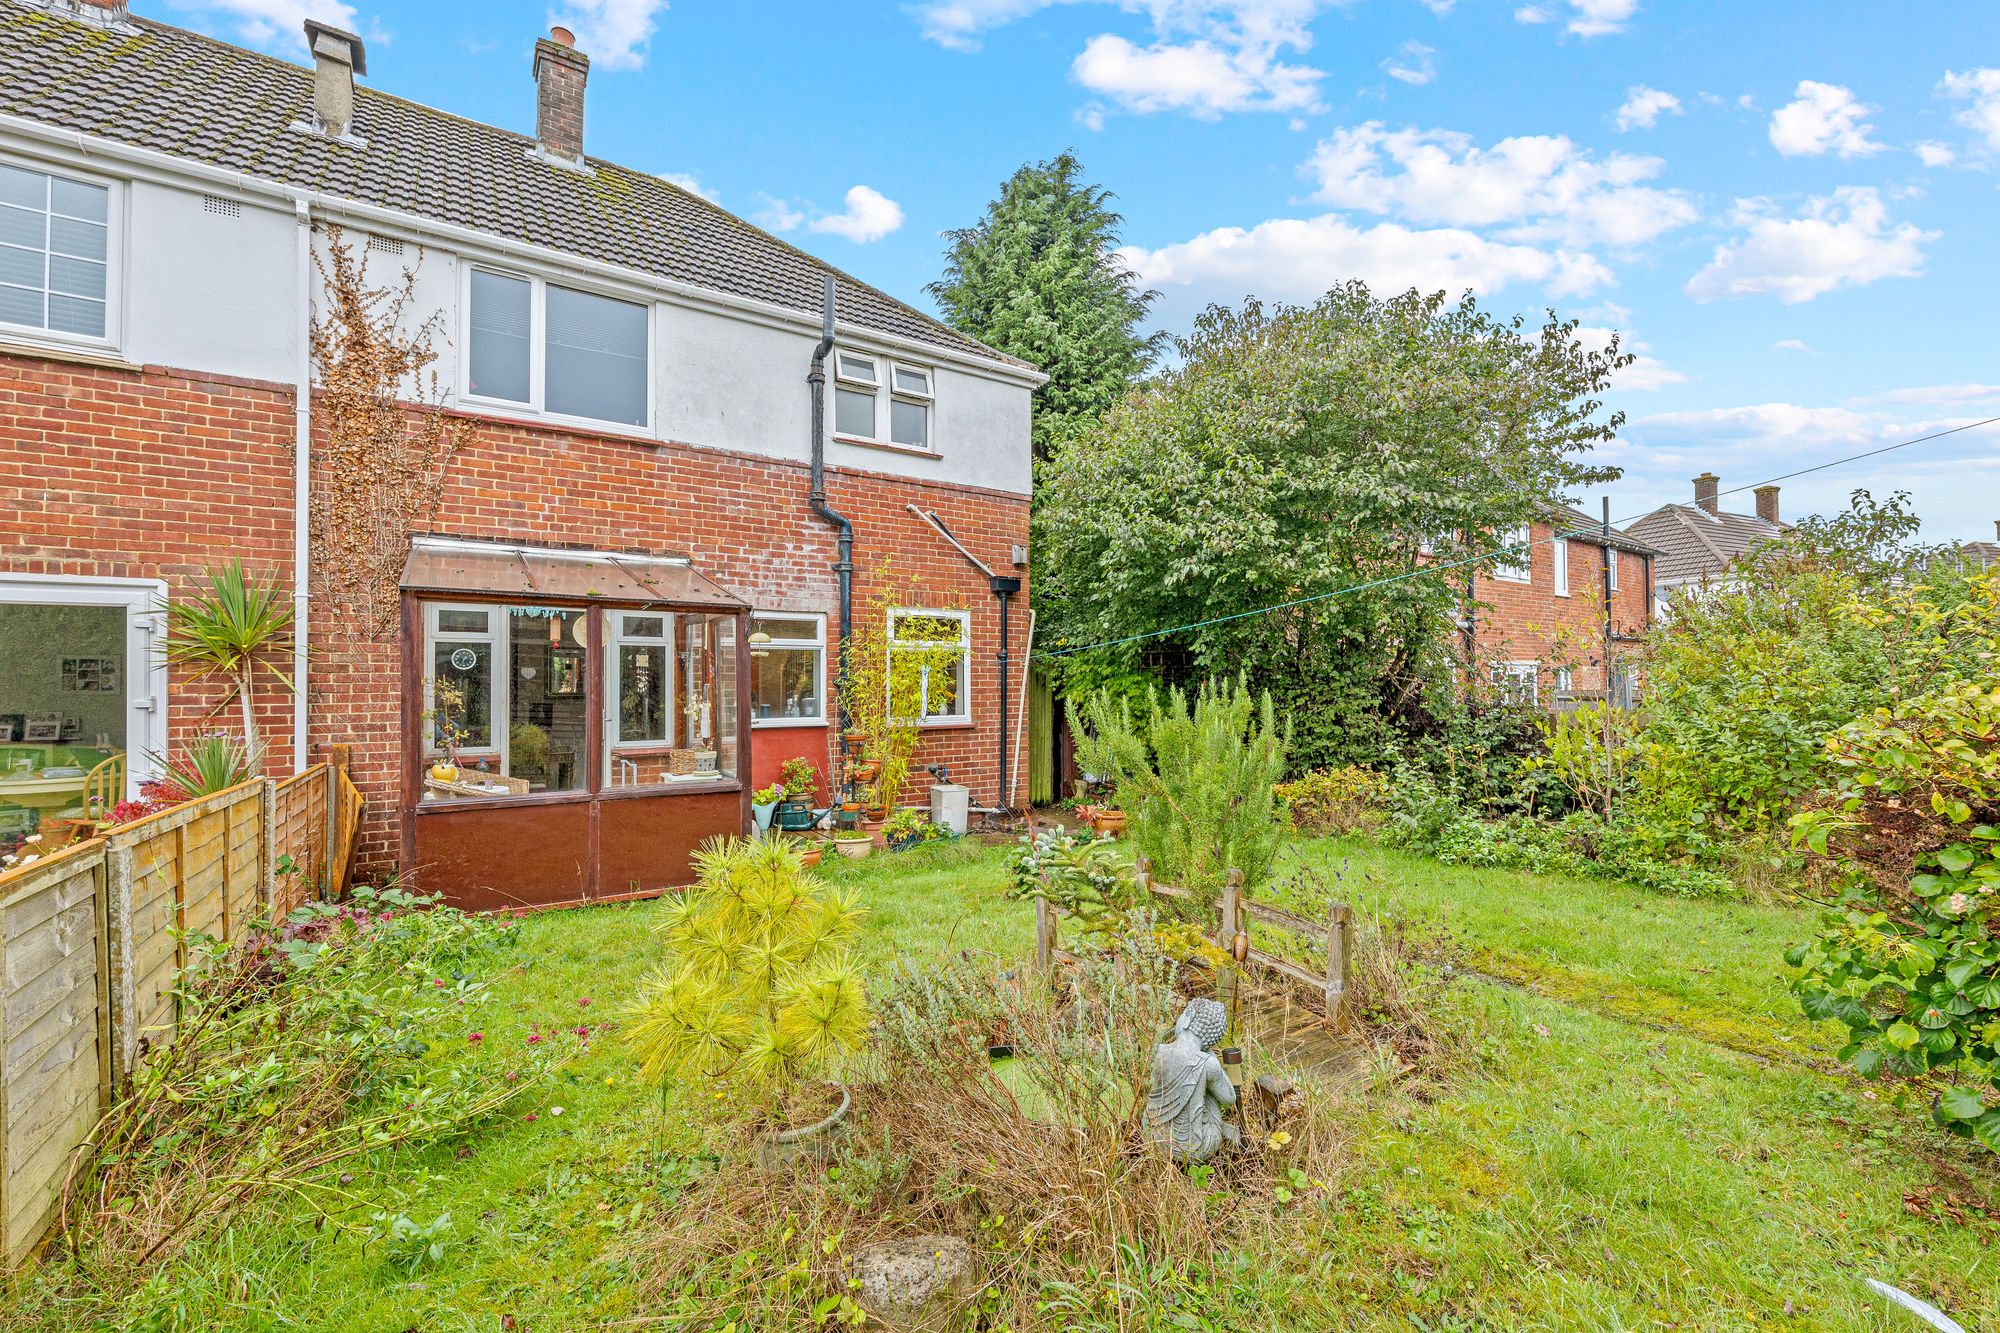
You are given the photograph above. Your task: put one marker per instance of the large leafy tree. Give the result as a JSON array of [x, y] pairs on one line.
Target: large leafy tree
[[1303, 451], [1039, 277]]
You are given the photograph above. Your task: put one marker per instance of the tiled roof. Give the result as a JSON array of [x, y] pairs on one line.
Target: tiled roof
[[1696, 544], [1983, 554], [176, 92], [1581, 527]]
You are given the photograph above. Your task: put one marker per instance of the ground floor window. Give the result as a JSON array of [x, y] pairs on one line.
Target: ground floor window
[[1518, 682], [788, 669], [82, 702], [509, 699], [930, 658]]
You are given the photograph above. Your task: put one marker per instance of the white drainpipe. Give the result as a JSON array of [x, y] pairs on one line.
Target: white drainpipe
[[302, 488]]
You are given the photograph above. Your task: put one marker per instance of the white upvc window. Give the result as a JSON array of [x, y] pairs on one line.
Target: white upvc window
[[639, 669], [58, 233], [1519, 682], [788, 669], [879, 401], [1611, 567], [946, 687], [910, 400], [538, 346], [1565, 680], [1514, 561], [1560, 549]]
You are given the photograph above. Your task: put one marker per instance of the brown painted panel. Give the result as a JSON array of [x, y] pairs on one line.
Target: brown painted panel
[[646, 843], [514, 856]]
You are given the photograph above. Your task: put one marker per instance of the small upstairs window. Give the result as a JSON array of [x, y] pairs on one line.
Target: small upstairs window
[[1559, 548], [865, 414], [55, 246], [1513, 562], [856, 380], [910, 408]]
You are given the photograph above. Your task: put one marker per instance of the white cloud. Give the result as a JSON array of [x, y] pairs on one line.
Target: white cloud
[[1298, 259], [1934, 154], [1939, 395], [1205, 57], [1790, 345], [1200, 77], [777, 214], [1412, 64], [1839, 240], [1438, 7], [1589, 18], [1980, 89], [1823, 118], [274, 25], [869, 216], [687, 181], [1543, 186], [1643, 108], [613, 33], [1646, 371]]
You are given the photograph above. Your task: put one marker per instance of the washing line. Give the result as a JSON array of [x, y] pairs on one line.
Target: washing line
[[1490, 555]]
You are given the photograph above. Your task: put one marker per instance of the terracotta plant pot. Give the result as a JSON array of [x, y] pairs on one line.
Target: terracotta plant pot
[[809, 854], [1111, 822]]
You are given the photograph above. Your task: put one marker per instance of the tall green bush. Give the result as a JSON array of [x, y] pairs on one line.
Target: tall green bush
[[1197, 782]]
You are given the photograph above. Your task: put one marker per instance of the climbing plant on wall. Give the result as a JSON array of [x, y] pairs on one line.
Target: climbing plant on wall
[[383, 438]]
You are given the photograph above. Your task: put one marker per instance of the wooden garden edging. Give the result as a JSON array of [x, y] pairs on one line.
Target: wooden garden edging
[[93, 938], [1236, 914]]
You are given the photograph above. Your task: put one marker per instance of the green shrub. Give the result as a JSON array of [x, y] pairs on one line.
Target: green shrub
[[1907, 952], [1196, 782], [1333, 800]]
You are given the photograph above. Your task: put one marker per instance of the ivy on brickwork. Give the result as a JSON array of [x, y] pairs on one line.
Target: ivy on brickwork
[[386, 440]]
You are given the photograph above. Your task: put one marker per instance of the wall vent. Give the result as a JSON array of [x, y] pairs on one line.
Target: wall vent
[[216, 204], [387, 245]]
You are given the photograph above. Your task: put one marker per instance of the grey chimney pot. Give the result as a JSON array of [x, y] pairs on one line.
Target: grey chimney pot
[[337, 57]]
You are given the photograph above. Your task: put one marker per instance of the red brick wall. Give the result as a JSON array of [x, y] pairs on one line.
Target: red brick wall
[[156, 474], [745, 523], [1519, 622]]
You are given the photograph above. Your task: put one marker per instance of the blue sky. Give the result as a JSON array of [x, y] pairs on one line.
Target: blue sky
[[1788, 208]]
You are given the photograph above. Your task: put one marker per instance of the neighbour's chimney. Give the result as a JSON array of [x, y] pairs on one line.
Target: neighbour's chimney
[[1705, 490], [337, 57], [106, 12], [1767, 504], [560, 71]]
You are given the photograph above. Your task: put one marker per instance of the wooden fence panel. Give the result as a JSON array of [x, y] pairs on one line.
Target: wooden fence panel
[[346, 827], [54, 1034], [300, 810]]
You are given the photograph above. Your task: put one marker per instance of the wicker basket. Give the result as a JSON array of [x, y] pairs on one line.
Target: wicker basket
[[681, 761]]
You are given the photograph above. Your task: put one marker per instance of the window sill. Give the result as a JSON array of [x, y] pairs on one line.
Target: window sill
[[948, 724], [499, 409], [887, 446], [779, 723], [21, 341], [1513, 578]]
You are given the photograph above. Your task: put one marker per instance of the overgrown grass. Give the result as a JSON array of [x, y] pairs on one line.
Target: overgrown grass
[[1578, 1172]]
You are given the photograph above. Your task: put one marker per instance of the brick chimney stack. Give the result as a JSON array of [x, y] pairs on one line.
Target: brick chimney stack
[[1767, 504], [106, 12], [1705, 489], [560, 71]]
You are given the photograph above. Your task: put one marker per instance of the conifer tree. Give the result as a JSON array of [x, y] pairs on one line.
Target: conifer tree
[[1039, 277]]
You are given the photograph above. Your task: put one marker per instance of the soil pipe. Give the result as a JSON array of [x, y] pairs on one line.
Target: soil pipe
[[843, 527]]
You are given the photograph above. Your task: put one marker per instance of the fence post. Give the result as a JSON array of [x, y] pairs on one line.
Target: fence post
[[267, 833], [1142, 874], [1339, 947], [1229, 976], [121, 951], [1045, 934], [337, 759]]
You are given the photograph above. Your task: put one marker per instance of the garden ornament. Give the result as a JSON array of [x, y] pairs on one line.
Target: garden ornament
[[1184, 1109]]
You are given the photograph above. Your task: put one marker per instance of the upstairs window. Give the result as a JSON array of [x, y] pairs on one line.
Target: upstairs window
[[863, 412], [1611, 567], [554, 349], [1559, 548], [55, 243], [1512, 563]]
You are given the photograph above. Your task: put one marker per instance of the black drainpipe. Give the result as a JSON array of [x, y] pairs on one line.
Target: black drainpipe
[[844, 566], [1004, 587]]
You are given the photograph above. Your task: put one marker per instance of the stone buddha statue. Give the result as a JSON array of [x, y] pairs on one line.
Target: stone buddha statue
[[1190, 1090]]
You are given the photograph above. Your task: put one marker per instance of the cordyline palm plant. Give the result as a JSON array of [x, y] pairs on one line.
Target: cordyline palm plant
[[205, 766], [760, 990], [240, 626]]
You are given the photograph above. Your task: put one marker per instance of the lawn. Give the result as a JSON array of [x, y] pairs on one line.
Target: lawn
[[1569, 1169]]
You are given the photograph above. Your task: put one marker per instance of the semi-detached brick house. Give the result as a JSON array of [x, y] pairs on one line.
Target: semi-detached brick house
[[1541, 631], [624, 577]]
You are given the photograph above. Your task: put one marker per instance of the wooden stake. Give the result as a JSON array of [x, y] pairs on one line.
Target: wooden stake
[[1227, 977], [1045, 934], [1339, 948]]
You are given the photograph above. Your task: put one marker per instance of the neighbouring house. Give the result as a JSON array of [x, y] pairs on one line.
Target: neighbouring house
[[633, 577], [1698, 542], [1983, 554], [1541, 630]]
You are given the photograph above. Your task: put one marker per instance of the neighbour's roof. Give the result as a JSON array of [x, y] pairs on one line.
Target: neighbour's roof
[[161, 88], [1983, 554], [1578, 526], [1696, 544]]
